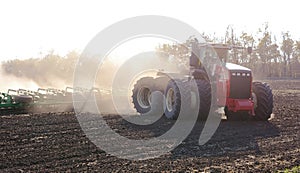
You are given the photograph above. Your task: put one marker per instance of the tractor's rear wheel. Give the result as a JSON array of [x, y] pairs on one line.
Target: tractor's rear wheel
[[172, 100], [141, 94], [175, 97], [263, 101]]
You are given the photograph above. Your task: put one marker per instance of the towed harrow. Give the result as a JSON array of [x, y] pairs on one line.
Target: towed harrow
[[43, 100]]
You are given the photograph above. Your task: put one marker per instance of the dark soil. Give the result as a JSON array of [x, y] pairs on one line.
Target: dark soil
[[55, 142]]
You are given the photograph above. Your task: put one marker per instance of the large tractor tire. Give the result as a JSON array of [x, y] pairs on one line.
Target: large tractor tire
[[204, 90], [173, 98], [141, 94], [263, 101]]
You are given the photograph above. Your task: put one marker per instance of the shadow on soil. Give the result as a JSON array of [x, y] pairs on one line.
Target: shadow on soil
[[231, 138]]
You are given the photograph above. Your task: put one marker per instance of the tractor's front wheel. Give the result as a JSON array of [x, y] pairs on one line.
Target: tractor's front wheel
[[263, 101]]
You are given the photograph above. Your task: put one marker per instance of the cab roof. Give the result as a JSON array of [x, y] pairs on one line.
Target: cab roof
[[231, 66]]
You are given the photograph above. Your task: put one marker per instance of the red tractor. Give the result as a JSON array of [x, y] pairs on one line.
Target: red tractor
[[241, 98]]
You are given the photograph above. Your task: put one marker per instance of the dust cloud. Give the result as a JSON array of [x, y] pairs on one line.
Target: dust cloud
[[12, 82], [54, 71]]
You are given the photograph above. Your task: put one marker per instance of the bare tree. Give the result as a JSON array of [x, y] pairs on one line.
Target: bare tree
[[287, 50], [247, 41], [263, 50], [232, 39], [296, 50]]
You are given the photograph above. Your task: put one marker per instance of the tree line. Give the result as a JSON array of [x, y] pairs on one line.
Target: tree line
[[269, 58]]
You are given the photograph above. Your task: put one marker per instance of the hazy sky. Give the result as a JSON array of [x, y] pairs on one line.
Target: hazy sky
[[30, 27]]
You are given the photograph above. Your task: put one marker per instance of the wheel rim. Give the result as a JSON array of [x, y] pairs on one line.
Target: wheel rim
[[144, 97], [170, 99]]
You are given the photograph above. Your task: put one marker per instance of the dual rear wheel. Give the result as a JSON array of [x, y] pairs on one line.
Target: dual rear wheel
[[177, 93]]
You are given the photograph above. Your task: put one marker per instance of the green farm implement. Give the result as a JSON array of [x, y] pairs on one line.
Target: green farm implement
[[43, 100]]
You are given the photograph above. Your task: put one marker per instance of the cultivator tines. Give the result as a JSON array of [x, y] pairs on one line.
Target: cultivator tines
[[43, 100]]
